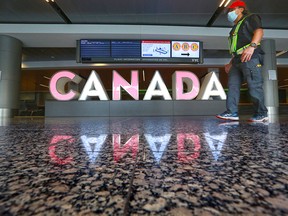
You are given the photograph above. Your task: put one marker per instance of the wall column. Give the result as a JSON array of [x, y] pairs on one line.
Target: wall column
[[269, 71], [10, 75]]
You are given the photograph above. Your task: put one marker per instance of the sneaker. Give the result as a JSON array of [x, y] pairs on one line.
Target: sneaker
[[228, 116], [258, 118]]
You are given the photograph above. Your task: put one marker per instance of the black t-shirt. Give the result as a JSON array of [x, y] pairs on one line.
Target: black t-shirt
[[246, 30]]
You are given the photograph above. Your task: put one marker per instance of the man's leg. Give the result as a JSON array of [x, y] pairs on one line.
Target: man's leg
[[234, 85], [252, 70]]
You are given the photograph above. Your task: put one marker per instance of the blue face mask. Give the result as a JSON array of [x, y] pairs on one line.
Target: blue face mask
[[232, 16]]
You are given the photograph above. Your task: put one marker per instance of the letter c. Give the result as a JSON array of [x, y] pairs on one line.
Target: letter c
[[57, 85]]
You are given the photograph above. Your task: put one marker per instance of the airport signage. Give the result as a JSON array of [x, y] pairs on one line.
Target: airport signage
[[185, 86]]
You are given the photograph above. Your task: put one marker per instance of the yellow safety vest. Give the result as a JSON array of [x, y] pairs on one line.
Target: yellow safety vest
[[233, 41]]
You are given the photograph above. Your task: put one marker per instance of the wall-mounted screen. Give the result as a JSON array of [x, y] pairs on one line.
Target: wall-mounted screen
[[95, 48], [156, 49], [139, 51], [185, 49], [125, 49]]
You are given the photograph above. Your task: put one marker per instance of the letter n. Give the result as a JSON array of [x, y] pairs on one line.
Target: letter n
[[119, 81]]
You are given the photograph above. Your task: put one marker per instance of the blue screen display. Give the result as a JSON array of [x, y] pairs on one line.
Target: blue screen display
[[138, 51], [95, 48], [125, 49]]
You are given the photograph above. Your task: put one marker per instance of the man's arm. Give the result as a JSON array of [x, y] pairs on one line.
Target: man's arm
[[228, 66], [257, 37]]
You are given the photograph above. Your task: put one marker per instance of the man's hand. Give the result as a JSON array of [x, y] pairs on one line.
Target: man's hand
[[228, 67], [247, 54]]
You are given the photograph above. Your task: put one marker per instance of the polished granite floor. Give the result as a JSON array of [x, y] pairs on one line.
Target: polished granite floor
[[143, 166]]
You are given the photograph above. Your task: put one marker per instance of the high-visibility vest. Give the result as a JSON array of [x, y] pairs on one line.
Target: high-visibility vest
[[233, 41]]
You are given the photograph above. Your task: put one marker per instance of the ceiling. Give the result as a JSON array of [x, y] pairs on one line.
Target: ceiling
[[148, 12], [87, 13]]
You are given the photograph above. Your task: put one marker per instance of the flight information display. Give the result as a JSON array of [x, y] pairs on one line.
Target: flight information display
[[139, 51], [125, 49], [94, 48]]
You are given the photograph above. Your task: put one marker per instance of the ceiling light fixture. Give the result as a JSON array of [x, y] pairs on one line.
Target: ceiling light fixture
[[222, 3], [59, 11], [218, 11], [281, 53], [43, 85], [100, 65], [227, 3]]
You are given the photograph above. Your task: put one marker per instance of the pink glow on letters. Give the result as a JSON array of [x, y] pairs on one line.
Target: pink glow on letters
[[52, 149], [119, 81], [182, 156], [53, 86], [132, 144], [180, 75]]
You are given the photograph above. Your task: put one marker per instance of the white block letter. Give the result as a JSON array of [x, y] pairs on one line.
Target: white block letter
[[157, 87], [94, 88], [211, 86]]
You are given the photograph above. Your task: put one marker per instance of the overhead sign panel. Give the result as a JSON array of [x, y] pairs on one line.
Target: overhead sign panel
[[185, 49], [156, 49], [139, 51], [95, 48], [125, 48]]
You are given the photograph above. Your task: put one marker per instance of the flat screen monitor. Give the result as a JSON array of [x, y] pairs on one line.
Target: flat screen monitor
[[139, 51]]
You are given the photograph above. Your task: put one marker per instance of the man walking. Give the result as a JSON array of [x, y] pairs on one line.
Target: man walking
[[246, 62]]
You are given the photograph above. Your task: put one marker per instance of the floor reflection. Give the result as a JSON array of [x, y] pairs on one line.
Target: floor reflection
[[158, 138], [143, 166]]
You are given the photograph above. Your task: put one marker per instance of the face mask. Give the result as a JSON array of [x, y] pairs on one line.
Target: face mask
[[232, 16]]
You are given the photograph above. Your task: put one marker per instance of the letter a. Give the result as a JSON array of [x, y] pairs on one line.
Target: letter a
[[94, 88], [152, 90], [207, 89]]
